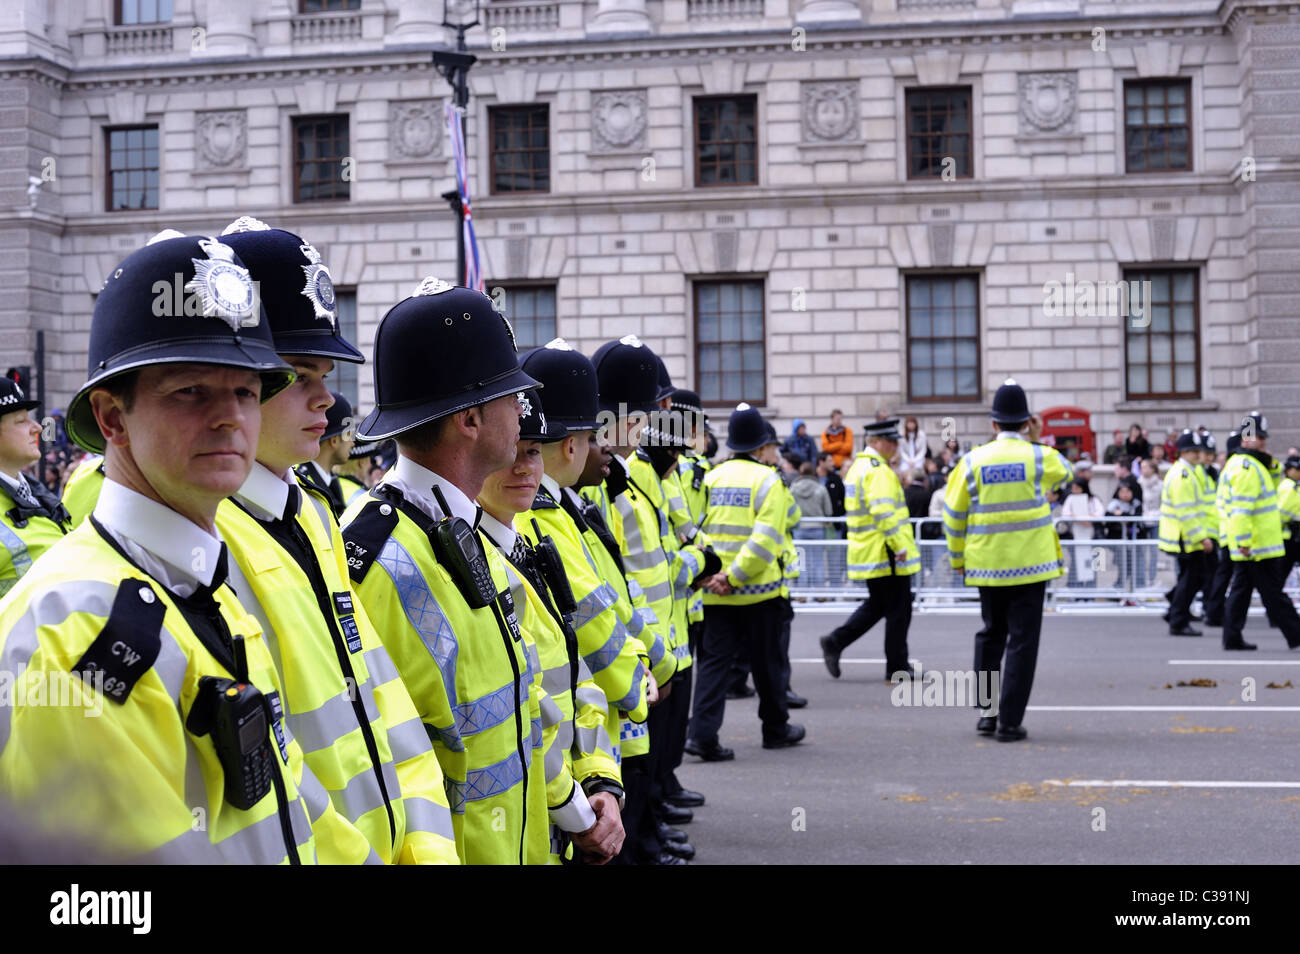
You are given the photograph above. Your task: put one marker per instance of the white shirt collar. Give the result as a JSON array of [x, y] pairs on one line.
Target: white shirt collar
[[265, 493], [498, 532], [552, 486], [1013, 435], [175, 551], [324, 477], [416, 484], [14, 483]]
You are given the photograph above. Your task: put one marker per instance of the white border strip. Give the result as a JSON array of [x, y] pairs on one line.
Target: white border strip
[[1161, 783]]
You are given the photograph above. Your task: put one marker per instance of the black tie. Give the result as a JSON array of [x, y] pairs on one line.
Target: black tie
[[291, 505], [519, 555]]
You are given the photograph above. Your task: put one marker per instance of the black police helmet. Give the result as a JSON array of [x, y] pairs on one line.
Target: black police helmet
[[440, 351], [746, 430], [688, 402], [13, 399], [572, 395], [1233, 444], [338, 417], [627, 373], [1291, 463], [665, 381], [296, 289], [145, 316], [535, 424], [1254, 424], [887, 429], [1189, 440], [1010, 405]]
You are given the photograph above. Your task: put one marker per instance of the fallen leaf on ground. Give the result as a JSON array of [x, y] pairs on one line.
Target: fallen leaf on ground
[[1274, 685], [1199, 683], [1200, 728]]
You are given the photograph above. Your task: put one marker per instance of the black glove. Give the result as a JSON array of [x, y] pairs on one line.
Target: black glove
[[616, 482], [712, 564]]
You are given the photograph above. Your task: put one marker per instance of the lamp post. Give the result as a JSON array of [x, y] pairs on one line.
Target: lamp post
[[459, 15]]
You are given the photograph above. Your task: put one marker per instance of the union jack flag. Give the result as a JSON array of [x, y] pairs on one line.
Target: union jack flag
[[473, 277]]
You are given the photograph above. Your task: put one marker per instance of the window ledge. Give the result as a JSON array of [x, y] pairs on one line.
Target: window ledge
[[1172, 404]]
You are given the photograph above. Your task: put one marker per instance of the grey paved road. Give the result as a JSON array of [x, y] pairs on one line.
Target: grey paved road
[[883, 784]]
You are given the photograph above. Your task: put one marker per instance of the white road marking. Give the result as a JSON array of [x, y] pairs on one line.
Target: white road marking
[[1245, 707], [1161, 783], [1234, 662]]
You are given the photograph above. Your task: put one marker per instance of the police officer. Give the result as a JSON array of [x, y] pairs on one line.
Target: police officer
[[1000, 536], [31, 518], [82, 488], [1183, 533], [745, 521], [1288, 504], [136, 600], [353, 472], [1217, 588], [333, 450], [582, 776], [343, 698], [447, 386], [882, 552], [1255, 537]]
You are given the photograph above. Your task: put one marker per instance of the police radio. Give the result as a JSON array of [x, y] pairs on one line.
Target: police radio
[[457, 549], [236, 715], [551, 566]]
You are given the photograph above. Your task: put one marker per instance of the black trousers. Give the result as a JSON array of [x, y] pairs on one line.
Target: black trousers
[[641, 843], [668, 735], [1292, 555], [1190, 567], [1263, 576], [787, 618], [888, 598], [1216, 587], [1013, 621], [756, 628]]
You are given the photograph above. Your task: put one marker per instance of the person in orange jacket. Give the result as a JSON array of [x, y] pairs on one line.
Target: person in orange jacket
[[838, 439]]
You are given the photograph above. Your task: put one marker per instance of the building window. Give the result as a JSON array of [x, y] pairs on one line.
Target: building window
[[730, 357], [320, 144], [943, 354], [1157, 131], [726, 141], [134, 12], [531, 312], [521, 148], [132, 168], [939, 133], [1164, 357], [327, 6], [344, 377]]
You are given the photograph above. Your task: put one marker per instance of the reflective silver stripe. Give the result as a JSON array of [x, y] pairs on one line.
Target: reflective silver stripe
[[261, 843], [738, 573], [380, 666], [1266, 551], [763, 489], [554, 760], [314, 795], [898, 528], [642, 560], [656, 650], [491, 709], [601, 659], [323, 726], [689, 569], [660, 591], [767, 530], [631, 528], [1009, 527], [759, 551], [715, 530], [588, 741], [887, 501], [648, 618], [551, 713], [1038, 470], [408, 740], [423, 612], [429, 817], [593, 604], [485, 782], [1007, 507], [629, 701], [955, 555], [958, 515], [19, 555], [589, 696], [682, 651], [868, 567], [556, 680]]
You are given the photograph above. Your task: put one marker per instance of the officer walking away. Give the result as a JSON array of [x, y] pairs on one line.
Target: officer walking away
[[31, 518], [745, 521], [1288, 504], [1000, 535], [447, 387], [136, 600], [1183, 532], [882, 552], [1216, 588], [1255, 537], [333, 450]]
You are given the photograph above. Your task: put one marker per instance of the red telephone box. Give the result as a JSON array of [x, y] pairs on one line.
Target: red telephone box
[[1069, 430]]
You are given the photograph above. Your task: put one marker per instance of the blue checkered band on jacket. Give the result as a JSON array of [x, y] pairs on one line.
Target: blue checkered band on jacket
[[1017, 572]]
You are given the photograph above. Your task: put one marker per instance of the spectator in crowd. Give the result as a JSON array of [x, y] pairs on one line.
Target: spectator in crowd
[[800, 444], [933, 478], [838, 439], [1132, 569], [814, 501], [1158, 454], [953, 448], [1083, 467], [830, 477], [1115, 449], [1079, 509], [788, 467], [933, 558], [917, 494], [1151, 481], [1137, 445], [1152, 487], [1124, 477], [913, 449]]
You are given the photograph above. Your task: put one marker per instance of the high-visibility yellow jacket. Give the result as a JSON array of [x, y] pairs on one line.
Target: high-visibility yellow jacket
[[640, 529], [135, 782], [1207, 486], [685, 525], [685, 560], [881, 542], [351, 488], [745, 520], [469, 673], [1288, 505], [995, 513], [790, 567], [630, 604], [1183, 513], [344, 701], [24, 536], [1249, 495], [81, 492], [691, 470]]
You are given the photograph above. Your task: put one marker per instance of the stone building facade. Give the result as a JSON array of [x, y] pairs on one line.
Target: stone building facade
[[860, 274]]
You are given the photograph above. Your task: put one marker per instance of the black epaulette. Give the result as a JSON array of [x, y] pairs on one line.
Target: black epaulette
[[698, 480], [544, 500], [364, 537], [128, 645]]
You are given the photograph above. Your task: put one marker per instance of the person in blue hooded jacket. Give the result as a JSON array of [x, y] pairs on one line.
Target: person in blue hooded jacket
[[800, 445]]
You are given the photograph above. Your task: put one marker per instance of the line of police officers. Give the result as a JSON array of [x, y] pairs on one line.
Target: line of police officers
[[486, 658]]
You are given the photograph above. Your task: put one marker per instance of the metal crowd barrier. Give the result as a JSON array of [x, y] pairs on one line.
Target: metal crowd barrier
[[1103, 575]]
